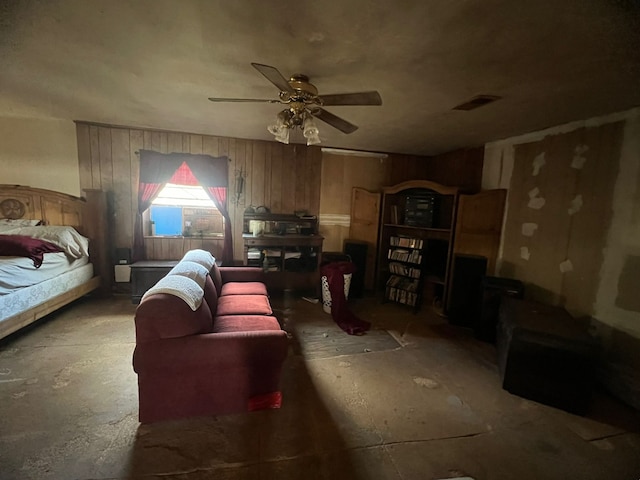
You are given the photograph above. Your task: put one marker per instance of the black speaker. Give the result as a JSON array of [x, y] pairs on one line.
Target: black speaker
[[358, 253], [465, 298], [123, 256]]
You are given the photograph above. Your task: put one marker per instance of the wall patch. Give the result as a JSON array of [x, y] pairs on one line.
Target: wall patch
[[566, 266], [538, 163], [576, 205], [528, 229], [578, 159]]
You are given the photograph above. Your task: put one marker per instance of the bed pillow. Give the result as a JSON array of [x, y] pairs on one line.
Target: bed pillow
[[22, 246], [5, 229], [67, 238], [9, 224], [19, 222]]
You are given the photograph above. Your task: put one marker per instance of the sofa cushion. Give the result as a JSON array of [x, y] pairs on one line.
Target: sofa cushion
[[216, 276], [244, 323], [243, 288], [210, 294], [242, 274], [167, 316], [243, 305]]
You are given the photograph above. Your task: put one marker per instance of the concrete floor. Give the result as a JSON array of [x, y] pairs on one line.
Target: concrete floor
[[412, 399]]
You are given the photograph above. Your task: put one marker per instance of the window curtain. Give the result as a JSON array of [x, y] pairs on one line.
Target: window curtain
[[158, 169], [213, 176], [184, 176], [155, 172]]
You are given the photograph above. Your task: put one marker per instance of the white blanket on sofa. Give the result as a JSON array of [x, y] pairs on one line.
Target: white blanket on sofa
[[202, 257], [193, 270], [181, 287]]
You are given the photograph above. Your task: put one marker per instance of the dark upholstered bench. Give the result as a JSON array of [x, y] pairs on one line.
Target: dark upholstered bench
[[546, 355]]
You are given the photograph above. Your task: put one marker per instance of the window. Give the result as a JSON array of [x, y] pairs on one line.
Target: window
[[185, 210]]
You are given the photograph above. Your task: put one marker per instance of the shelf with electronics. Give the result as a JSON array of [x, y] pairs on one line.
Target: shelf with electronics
[[287, 247], [422, 228]]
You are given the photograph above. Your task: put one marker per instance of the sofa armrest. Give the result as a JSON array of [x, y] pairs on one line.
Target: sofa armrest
[[242, 274], [212, 351]]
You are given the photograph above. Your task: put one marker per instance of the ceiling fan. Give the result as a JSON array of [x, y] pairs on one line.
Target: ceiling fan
[[303, 102]]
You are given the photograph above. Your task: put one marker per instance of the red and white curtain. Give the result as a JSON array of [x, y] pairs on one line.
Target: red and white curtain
[[158, 169]]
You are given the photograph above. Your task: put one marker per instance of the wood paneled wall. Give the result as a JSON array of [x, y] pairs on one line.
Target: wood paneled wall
[[284, 178], [459, 168], [281, 177], [340, 173]]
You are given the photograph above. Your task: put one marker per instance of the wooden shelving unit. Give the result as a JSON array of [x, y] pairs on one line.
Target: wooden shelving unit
[[290, 259], [423, 228], [458, 224]]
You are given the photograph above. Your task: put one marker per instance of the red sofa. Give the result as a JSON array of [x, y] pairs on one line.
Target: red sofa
[[224, 357]]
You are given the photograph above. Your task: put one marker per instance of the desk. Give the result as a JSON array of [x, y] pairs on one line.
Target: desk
[[145, 274], [293, 259]]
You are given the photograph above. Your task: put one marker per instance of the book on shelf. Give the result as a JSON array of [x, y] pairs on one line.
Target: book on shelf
[[403, 283], [407, 242], [395, 219], [402, 296], [410, 256], [402, 269]]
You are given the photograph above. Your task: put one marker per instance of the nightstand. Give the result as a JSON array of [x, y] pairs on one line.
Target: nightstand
[[145, 274]]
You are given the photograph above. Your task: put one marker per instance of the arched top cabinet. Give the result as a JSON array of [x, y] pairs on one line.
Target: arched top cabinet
[[423, 225]]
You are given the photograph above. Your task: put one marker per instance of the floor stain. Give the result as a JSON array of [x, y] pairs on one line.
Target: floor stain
[[426, 382]]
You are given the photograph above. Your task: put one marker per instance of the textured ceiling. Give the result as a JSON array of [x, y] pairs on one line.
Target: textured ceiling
[[153, 63]]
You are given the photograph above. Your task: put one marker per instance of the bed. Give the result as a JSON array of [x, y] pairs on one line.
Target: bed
[[68, 247]]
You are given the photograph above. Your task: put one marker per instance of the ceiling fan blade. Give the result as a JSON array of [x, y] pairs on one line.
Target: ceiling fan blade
[[358, 98], [214, 99], [333, 120], [274, 76]]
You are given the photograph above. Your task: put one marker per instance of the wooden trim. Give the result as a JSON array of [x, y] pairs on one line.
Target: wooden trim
[[436, 187], [157, 148], [15, 323]]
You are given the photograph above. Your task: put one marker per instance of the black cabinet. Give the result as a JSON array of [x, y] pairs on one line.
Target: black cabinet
[[145, 274], [465, 299], [494, 289]]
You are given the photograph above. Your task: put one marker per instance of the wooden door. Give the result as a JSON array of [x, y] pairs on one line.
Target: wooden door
[[479, 225], [365, 220]]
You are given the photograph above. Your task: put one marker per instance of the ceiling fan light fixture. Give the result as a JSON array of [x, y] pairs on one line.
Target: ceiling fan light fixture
[[303, 101], [310, 130], [283, 136], [280, 129]]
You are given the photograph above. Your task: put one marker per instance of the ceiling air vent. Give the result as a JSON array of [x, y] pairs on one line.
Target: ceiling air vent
[[476, 102]]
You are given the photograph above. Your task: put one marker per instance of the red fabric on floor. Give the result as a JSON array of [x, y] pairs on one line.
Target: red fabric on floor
[[264, 401], [340, 312]]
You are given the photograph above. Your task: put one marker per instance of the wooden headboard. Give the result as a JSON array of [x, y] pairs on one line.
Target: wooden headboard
[[87, 215]]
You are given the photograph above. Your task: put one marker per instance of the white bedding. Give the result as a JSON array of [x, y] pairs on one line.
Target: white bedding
[[19, 272], [67, 238], [23, 286], [29, 297]]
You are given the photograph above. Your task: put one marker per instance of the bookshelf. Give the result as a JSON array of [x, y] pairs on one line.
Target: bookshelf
[[405, 262], [423, 226], [416, 241]]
